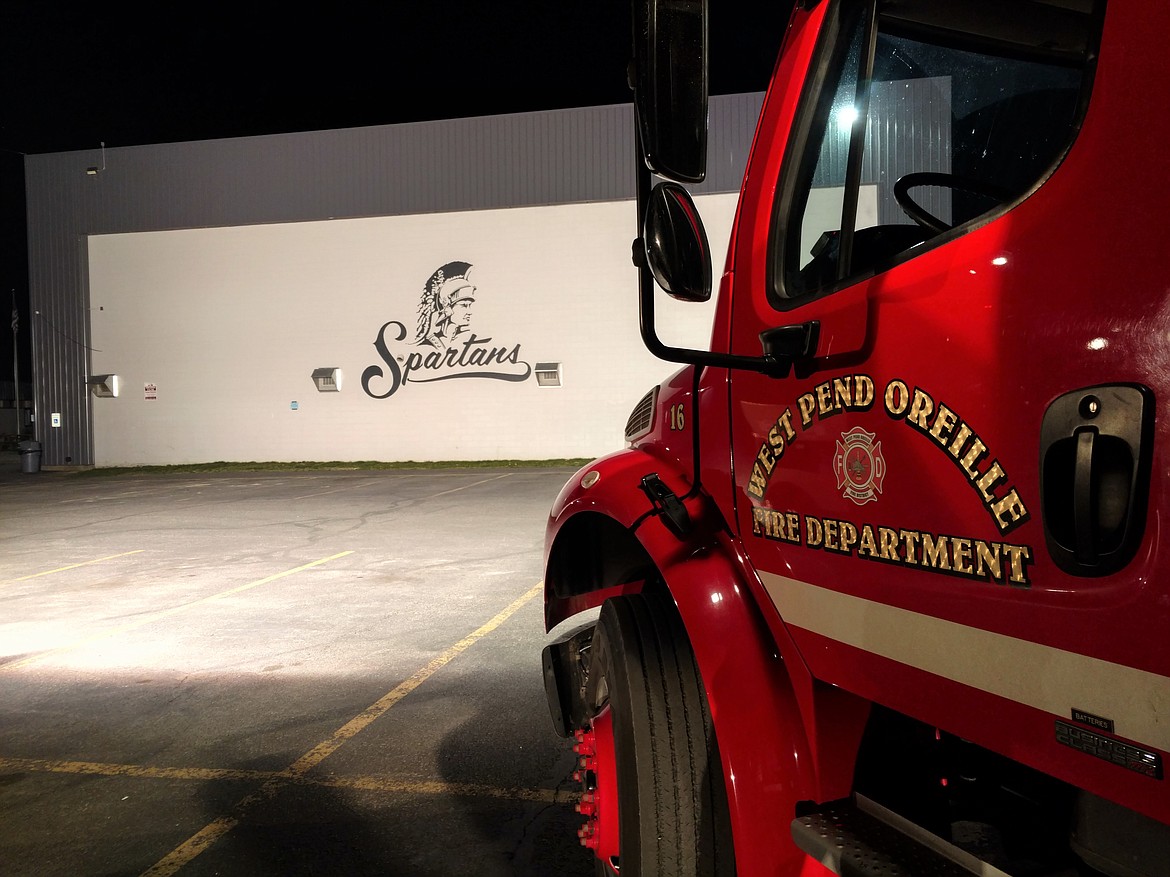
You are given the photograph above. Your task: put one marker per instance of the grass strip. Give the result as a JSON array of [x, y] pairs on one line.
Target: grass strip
[[335, 465]]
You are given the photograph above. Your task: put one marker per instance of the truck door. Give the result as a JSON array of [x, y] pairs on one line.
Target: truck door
[[948, 501]]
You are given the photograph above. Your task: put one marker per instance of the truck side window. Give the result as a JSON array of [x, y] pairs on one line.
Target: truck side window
[[932, 116]]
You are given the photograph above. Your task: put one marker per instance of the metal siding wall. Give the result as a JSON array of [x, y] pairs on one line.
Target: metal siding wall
[[556, 157], [58, 322], [909, 130]]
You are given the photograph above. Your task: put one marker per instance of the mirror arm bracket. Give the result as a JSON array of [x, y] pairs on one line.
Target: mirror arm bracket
[[768, 364]]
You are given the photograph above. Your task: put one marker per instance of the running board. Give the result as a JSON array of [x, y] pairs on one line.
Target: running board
[[861, 838]]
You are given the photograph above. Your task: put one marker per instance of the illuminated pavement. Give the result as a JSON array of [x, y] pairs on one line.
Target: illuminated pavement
[[278, 673]]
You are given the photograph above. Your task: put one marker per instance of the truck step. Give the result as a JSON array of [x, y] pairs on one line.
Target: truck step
[[860, 838]]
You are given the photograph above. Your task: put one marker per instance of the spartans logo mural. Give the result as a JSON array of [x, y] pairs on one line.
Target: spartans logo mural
[[443, 347]]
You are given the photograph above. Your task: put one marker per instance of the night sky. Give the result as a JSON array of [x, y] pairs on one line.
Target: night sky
[[75, 76]]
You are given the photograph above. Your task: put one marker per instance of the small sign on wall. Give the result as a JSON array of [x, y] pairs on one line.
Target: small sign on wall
[[150, 392]]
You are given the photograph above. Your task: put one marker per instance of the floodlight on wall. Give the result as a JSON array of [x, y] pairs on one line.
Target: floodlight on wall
[[104, 385], [95, 170], [548, 374], [328, 380]]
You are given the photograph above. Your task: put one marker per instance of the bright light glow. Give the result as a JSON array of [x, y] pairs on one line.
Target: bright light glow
[[716, 598], [1098, 343], [846, 116], [999, 260]]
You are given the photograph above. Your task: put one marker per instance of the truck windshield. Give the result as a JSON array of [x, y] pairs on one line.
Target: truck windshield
[[934, 115]]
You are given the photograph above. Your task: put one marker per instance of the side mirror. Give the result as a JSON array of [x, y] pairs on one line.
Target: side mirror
[[676, 244], [669, 78]]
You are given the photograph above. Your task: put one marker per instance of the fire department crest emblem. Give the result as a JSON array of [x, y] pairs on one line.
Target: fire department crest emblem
[[859, 465]]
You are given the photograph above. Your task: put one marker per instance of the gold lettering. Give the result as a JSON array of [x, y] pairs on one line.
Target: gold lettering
[[897, 398], [758, 482], [807, 405], [1018, 556], [961, 437], [889, 540], [1009, 511], [974, 453], [920, 410], [989, 479], [843, 392], [831, 535], [987, 560], [770, 524], [776, 441], [961, 549], [813, 532], [961, 556], [934, 552], [868, 547], [778, 524], [910, 545], [824, 400], [848, 536], [862, 392], [943, 421], [793, 520], [766, 459], [785, 420]]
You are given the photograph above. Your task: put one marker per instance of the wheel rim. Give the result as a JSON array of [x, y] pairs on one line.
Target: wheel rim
[[597, 773]]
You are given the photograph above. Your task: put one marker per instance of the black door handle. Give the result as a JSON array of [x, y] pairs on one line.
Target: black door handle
[[1095, 449], [785, 345], [1083, 497]]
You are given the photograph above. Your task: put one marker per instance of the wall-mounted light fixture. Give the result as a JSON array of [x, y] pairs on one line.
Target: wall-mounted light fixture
[[93, 171], [104, 385], [328, 380], [548, 374]]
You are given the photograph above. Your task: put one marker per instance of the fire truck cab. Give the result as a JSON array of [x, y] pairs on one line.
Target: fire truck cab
[[878, 585]]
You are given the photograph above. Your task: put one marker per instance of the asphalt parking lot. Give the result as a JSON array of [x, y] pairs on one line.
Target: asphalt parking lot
[[262, 673]]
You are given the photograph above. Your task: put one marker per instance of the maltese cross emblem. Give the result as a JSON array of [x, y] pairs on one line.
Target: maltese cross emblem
[[859, 465]]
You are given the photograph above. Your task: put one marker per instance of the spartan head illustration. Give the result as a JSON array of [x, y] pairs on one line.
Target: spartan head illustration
[[444, 311]]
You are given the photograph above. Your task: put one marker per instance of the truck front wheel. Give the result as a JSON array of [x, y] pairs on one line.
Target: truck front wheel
[[652, 720]]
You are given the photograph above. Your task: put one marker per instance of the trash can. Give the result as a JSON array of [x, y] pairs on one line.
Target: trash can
[[30, 456]]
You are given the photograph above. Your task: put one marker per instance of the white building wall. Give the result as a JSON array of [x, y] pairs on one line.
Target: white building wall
[[215, 333]]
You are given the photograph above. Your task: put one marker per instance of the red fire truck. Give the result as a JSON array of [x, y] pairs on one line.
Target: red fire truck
[[878, 585]]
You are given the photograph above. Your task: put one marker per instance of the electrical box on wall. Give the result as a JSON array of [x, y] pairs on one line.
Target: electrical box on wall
[[548, 374], [328, 380], [104, 385]]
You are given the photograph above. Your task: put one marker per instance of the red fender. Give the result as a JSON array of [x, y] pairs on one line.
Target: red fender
[[591, 555]]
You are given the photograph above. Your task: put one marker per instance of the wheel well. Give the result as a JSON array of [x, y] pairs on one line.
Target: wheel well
[[594, 551]]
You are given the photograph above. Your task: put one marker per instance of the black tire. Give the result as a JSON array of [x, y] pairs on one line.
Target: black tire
[[673, 813]]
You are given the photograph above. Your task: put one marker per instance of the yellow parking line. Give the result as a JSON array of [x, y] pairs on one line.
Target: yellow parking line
[[375, 481], [209, 834], [354, 726], [469, 486], [365, 483], [108, 769], [165, 613], [368, 783], [49, 572]]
